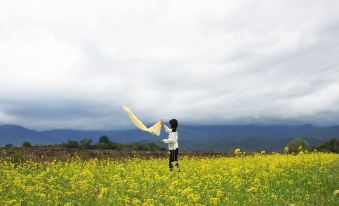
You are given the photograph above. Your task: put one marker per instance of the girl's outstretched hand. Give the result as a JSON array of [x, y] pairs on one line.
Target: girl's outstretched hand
[[162, 141]]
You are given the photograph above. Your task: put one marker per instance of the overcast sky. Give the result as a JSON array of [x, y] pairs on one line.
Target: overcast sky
[[72, 64]]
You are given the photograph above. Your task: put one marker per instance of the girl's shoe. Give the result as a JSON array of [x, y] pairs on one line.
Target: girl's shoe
[[177, 165]]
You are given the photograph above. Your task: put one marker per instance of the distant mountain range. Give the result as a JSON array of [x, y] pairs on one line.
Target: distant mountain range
[[204, 138]]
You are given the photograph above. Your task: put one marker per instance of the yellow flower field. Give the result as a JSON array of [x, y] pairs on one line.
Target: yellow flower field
[[307, 179]]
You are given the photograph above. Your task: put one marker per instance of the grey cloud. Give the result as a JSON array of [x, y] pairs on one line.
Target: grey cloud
[[220, 62]]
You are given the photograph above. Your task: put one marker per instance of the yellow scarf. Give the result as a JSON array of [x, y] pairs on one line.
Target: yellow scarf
[[155, 129]]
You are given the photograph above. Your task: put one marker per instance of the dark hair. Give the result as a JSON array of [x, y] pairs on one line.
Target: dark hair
[[174, 124]]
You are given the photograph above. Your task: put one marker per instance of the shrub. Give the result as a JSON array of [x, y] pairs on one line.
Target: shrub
[[86, 143], [71, 144], [8, 145], [297, 145], [331, 145], [26, 144], [104, 139], [16, 158]]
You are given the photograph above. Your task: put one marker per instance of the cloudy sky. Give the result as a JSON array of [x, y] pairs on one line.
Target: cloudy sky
[[72, 64]]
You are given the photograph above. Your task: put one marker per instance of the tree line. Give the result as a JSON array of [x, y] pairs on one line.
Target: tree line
[[103, 143], [298, 144], [294, 146]]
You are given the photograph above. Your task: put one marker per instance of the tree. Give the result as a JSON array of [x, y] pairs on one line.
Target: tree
[[71, 144], [106, 143], [152, 147], [86, 143], [26, 144], [104, 139], [114, 145], [297, 144], [331, 145], [8, 145]]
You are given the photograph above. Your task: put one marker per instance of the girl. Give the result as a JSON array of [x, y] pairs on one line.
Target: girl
[[172, 142]]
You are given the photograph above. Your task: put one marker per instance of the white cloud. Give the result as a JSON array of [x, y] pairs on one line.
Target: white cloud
[[73, 63]]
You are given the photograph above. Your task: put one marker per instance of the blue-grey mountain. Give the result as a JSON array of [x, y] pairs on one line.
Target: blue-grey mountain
[[204, 138]]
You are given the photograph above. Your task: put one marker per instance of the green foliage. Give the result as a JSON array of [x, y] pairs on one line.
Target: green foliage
[[86, 143], [26, 144], [105, 143], [297, 144], [71, 144], [104, 140], [114, 145], [8, 146], [153, 147], [16, 158], [142, 147], [331, 145]]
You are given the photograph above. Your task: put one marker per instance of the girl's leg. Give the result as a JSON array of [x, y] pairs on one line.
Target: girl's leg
[[176, 152], [171, 159]]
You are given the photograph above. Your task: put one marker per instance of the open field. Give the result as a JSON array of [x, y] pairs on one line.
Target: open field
[[308, 179], [49, 154]]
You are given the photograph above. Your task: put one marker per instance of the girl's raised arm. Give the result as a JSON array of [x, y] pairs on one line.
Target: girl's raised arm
[[167, 130]]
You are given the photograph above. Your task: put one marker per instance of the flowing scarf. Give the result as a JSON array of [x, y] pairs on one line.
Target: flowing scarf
[[155, 129]]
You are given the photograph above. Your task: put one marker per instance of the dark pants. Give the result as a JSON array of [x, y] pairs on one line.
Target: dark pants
[[173, 157]]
